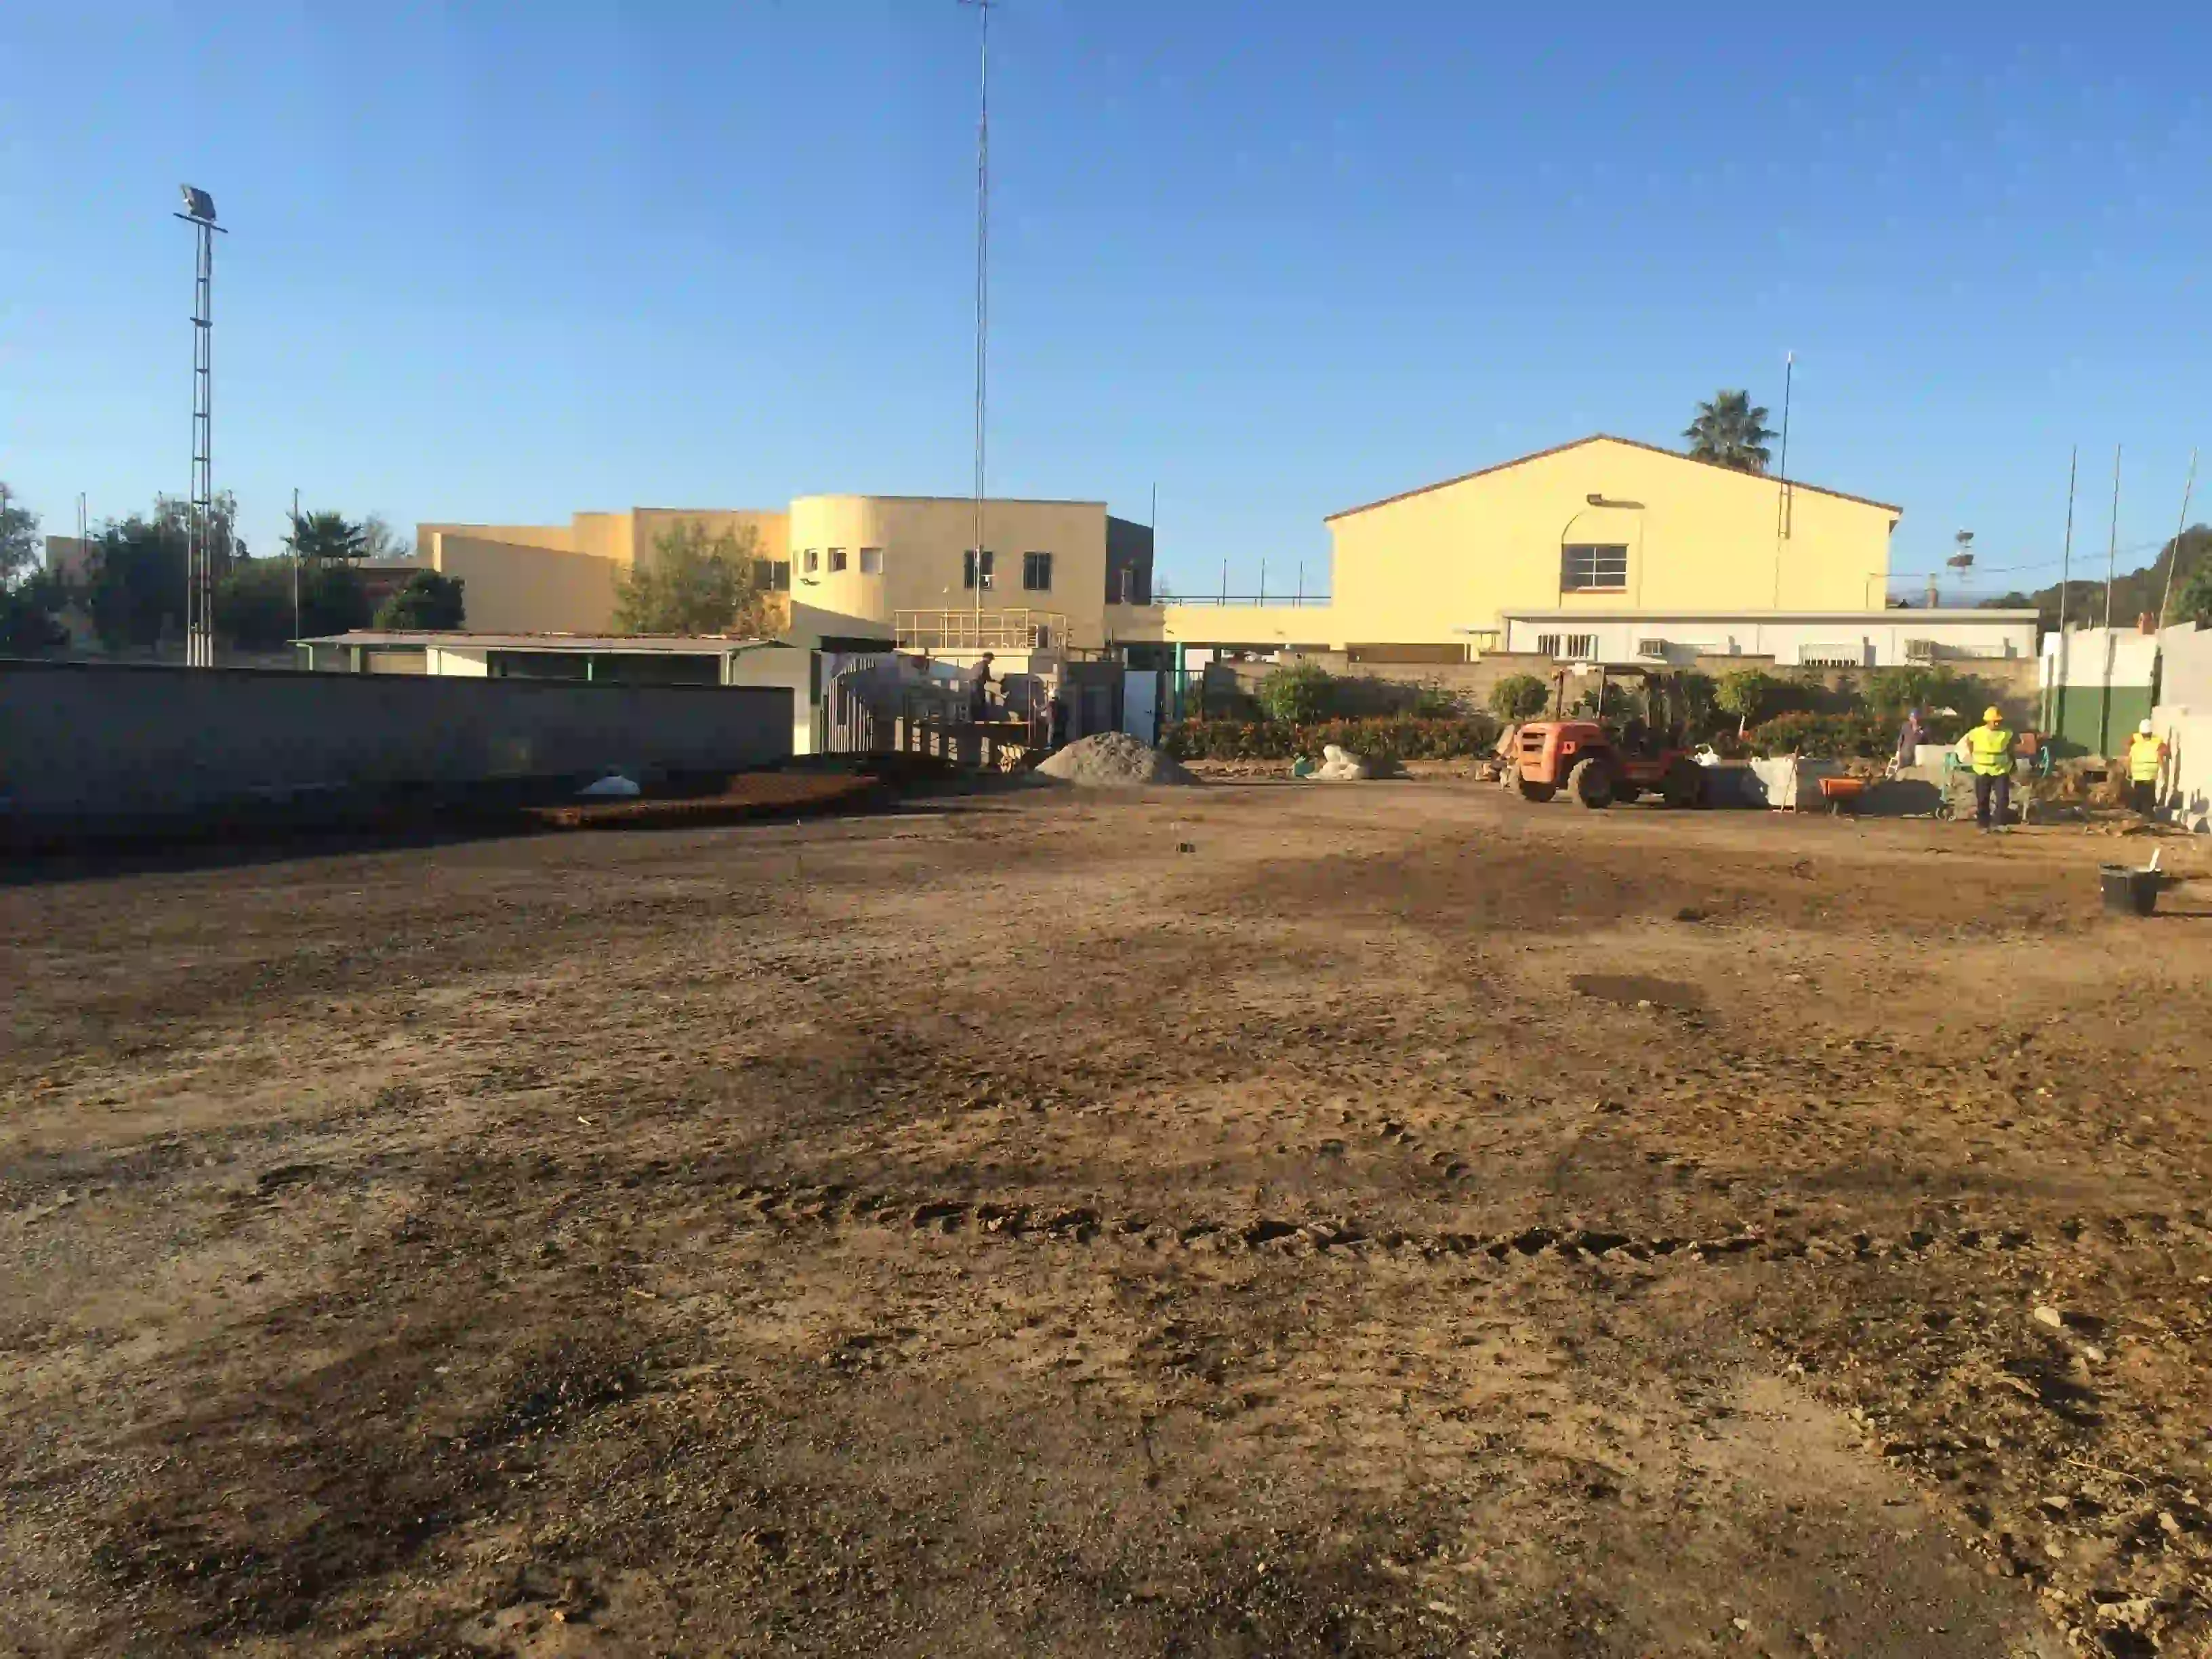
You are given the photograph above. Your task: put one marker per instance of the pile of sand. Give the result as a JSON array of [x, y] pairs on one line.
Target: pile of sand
[[1112, 760]]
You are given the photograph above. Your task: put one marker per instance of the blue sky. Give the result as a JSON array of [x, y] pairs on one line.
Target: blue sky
[[503, 262]]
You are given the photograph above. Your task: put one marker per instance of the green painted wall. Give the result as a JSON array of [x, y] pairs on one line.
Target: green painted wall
[[2085, 722]]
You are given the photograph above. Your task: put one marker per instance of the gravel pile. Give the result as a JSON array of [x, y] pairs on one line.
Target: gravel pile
[[1112, 760]]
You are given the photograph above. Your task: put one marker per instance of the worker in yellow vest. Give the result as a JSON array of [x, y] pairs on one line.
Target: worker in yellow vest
[[1989, 747], [2146, 755]]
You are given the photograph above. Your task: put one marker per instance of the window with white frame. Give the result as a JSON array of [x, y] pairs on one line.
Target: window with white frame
[[1593, 568], [1037, 573], [1832, 653], [836, 559], [969, 561], [810, 561], [871, 561], [773, 574], [1567, 647]]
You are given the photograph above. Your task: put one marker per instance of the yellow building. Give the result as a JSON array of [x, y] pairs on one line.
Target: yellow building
[[893, 560], [1604, 523]]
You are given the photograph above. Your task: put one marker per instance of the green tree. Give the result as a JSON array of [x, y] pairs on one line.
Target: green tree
[[1730, 431], [30, 620], [19, 539], [695, 583], [1519, 697], [326, 536], [253, 604], [2192, 600], [134, 580], [428, 600], [1300, 693], [1749, 694]]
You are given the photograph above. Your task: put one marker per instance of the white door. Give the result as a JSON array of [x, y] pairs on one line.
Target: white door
[[1140, 704]]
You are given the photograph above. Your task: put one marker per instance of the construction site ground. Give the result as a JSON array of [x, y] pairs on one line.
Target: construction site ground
[[1259, 1218]]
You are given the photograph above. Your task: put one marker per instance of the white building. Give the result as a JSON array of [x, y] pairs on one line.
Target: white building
[[1811, 639]]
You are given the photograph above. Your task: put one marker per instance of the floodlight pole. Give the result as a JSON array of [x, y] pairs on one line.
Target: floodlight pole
[[199, 525], [982, 274]]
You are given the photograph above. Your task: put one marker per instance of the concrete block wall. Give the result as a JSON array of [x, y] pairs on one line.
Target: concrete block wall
[[103, 746]]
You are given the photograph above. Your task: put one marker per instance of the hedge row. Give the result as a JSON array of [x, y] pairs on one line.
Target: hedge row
[[1403, 737], [1840, 736]]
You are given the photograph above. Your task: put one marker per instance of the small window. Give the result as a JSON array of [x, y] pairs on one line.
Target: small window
[[871, 561], [967, 567], [773, 574], [1128, 586], [1594, 569], [811, 560], [836, 559], [1037, 573], [1567, 647]]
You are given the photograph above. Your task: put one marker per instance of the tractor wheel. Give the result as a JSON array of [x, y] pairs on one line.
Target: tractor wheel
[[1590, 784], [1684, 784], [1538, 792]]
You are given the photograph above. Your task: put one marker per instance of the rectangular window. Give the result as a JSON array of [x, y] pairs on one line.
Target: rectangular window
[[1601, 568], [1037, 573], [772, 575], [836, 559], [967, 567], [871, 561], [1567, 647], [811, 560]]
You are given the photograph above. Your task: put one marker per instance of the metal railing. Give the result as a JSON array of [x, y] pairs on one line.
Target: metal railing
[[1288, 601], [954, 630]]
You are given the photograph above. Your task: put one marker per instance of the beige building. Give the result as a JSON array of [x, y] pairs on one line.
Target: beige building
[[896, 560], [1603, 524]]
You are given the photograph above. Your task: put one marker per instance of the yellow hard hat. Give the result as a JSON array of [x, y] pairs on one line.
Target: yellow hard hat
[[1992, 716]]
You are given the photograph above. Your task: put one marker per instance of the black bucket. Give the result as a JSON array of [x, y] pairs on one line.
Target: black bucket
[[2130, 893]]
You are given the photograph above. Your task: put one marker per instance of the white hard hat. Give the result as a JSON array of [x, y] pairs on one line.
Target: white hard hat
[[2144, 727]]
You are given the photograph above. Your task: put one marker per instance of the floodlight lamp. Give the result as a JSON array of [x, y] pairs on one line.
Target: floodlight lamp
[[198, 204]]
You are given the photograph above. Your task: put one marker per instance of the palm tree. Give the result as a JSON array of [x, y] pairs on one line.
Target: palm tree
[[326, 536], [1730, 431]]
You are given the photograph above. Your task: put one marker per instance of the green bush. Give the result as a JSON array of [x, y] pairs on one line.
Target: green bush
[[1860, 736], [1892, 690], [1400, 738], [1299, 695], [1519, 697], [1433, 701], [427, 601], [1749, 694]]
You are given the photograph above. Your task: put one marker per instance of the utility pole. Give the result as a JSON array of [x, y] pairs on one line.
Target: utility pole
[[982, 273], [2054, 713], [296, 561], [2174, 558], [1782, 491], [2111, 564]]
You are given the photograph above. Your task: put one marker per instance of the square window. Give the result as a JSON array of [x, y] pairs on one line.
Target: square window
[[1037, 573], [871, 561], [836, 559], [1599, 567], [968, 561]]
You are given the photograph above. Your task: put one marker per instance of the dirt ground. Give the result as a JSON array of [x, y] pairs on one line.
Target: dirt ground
[[1253, 1219]]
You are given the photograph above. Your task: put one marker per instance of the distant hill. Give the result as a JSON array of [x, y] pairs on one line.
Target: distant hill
[[2133, 592]]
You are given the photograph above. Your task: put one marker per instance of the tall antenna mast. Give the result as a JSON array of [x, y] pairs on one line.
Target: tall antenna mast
[[982, 274], [1782, 494], [199, 524]]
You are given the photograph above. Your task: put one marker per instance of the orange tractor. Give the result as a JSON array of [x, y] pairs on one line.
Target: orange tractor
[[1599, 755]]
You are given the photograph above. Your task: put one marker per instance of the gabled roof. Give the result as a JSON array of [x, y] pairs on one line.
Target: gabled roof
[[1606, 438]]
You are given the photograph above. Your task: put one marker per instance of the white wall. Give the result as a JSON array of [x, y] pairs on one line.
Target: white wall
[[2133, 655], [1872, 639], [463, 664], [780, 666]]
